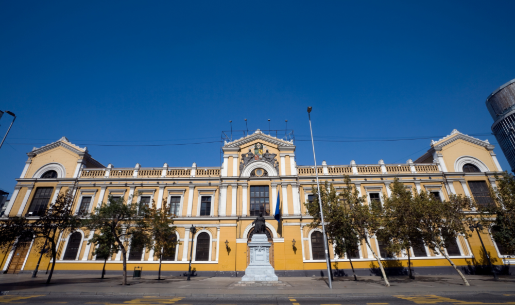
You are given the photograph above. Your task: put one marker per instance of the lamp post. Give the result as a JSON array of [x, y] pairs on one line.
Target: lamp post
[[14, 118], [320, 204], [193, 231], [478, 227]]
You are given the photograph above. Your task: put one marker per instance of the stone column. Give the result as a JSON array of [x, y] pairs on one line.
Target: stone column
[[284, 188], [244, 205], [186, 243], [190, 201], [26, 168], [222, 204], [24, 202], [274, 198], [296, 201], [233, 199], [283, 165], [160, 197]]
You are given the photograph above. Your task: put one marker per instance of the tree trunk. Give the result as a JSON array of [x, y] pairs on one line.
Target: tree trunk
[[124, 254], [453, 265], [104, 269], [54, 256], [159, 273], [409, 266], [387, 284], [352, 266]]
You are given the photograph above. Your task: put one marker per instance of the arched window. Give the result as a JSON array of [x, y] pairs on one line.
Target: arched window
[[49, 175], [470, 168], [317, 245], [202, 252], [170, 256], [72, 249]]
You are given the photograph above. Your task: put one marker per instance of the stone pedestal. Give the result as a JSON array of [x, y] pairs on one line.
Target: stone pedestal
[[259, 268]]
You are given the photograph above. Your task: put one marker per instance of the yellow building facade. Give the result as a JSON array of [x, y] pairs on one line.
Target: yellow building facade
[[222, 202]]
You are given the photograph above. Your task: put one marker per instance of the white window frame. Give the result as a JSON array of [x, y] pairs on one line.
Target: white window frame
[[374, 189], [502, 256], [345, 258], [311, 247], [210, 193], [129, 252], [66, 246], [115, 193], [435, 188], [211, 240], [176, 193], [86, 193]]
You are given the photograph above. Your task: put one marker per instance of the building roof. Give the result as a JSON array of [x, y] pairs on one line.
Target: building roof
[[258, 135]]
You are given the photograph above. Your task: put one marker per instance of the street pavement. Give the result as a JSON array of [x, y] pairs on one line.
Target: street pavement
[[89, 289]]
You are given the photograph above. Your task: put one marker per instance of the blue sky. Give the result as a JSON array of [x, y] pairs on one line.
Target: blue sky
[[170, 72]]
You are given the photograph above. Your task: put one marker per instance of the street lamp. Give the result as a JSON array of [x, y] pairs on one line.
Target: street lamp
[[478, 227], [320, 204], [193, 231], [14, 118]]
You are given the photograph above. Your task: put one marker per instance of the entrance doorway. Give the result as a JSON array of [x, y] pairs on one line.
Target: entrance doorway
[[19, 255], [270, 240]]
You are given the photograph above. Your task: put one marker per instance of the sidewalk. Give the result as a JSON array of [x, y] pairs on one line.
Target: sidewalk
[[88, 284]]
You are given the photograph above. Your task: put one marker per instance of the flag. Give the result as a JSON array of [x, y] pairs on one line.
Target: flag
[[277, 214]]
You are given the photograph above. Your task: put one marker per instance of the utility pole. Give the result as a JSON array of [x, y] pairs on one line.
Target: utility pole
[[329, 275], [14, 118]]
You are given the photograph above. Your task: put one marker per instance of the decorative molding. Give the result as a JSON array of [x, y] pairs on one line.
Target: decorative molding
[[58, 167], [456, 135], [461, 161], [258, 135], [259, 164]]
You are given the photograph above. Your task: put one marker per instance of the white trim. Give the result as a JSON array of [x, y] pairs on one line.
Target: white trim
[[86, 193], [311, 247], [269, 226], [502, 256], [185, 243], [283, 165], [461, 161], [195, 244], [88, 246], [58, 167], [26, 168], [222, 201], [190, 201], [302, 242], [274, 199], [181, 201], [56, 193], [211, 193], [296, 199], [25, 199], [244, 195], [234, 188], [235, 165], [160, 197], [28, 253], [66, 244], [284, 188], [374, 189], [259, 164]]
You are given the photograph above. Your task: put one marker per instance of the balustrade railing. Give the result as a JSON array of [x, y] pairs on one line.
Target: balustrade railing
[[121, 173], [430, 168], [397, 169], [207, 172], [150, 173], [93, 173], [369, 169], [309, 170], [339, 170], [178, 173]]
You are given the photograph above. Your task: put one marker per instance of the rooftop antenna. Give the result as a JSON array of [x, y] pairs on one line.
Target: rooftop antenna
[[268, 126], [247, 127], [230, 122], [286, 127]]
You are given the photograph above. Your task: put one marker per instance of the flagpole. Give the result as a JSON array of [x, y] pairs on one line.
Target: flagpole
[[320, 204]]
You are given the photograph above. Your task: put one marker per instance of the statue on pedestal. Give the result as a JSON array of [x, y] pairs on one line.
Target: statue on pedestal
[[259, 224]]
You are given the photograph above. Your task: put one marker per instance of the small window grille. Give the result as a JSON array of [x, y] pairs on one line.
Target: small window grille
[[205, 206], [175, 202]]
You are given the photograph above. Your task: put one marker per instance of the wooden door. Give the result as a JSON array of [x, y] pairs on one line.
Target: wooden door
[[19, 257], [270, 240]]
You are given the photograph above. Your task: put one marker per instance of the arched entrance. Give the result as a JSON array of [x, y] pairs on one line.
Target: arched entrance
[[270, 240]]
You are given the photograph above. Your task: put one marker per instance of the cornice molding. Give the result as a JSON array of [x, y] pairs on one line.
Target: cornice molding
[[456, 135], [258, 135]]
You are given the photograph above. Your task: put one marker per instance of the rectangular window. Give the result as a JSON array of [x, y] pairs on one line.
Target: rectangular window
[[84, 205], [259, 201], [175, 202], [145, 200], [40, 201], [375, 200], [419, 250], [116, 198], [436, 195], [311, 198], [480, 192], [205, 206]]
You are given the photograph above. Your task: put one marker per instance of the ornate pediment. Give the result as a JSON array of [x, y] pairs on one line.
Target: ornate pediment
[[456, 135], [258, 153], [259, 135]]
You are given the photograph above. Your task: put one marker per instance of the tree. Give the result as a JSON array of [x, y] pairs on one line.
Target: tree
[[106, 245], [348, 221], [503, 229], [10, 231], [161, 231], [367, 220], [401, 217], [443, 221], [125, 222]]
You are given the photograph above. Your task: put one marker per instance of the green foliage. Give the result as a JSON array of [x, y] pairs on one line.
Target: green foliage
[[124, 223], [161, 232], [503, 229]]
